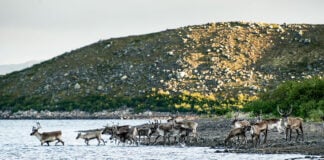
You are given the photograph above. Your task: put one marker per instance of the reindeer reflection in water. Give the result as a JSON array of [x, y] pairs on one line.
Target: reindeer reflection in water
[[47, 137]]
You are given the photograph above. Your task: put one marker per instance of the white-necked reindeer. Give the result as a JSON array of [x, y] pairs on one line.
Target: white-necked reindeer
[[291, 123], [272, 123], [47, 137], [236, 123]]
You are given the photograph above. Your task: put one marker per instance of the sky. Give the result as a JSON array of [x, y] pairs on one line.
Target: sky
[[43, 29]]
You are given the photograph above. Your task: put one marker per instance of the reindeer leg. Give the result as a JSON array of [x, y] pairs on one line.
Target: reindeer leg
[[301, 130], [47, 143], [164, 139], [240, 142], [290, 130], [87, 142], [157, 137], [253, 141], [297, 135], [265, 136], [103, 141], [245, 140], [287, 130], [98, 141], [136, 142], [149, 139]]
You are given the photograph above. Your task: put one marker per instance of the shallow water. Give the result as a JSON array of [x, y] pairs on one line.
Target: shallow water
[[16, 143]]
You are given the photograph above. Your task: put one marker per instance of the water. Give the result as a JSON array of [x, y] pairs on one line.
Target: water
[[16, 143]]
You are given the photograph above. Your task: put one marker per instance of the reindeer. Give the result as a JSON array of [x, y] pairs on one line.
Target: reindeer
[[291, 123], [272, 123], [171, 129], [144, 130], [124, 133], [163, 130], [186, 125], [257, 129], [91, 135], [237, 132], [147, 130], [47, 137], [236, 123]]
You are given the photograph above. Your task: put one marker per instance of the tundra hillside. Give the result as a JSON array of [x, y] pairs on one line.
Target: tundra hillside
[[203, 68]]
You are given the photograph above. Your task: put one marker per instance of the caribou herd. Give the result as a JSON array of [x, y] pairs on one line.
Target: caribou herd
[[181, 131], [285, 124]]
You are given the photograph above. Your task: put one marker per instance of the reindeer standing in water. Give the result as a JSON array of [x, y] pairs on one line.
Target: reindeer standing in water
[[96, 134], [291, 123], [47, 137]]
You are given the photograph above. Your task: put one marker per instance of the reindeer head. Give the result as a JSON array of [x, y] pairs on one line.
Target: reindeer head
[[259, 116], [35, 129], [284, 114], [78, 136], [236, 114]]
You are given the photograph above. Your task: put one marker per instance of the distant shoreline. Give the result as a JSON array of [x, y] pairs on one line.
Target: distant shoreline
[[77, 114]]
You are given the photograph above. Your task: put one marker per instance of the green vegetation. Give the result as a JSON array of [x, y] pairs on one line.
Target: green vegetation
[[157, 100], [305, 97]]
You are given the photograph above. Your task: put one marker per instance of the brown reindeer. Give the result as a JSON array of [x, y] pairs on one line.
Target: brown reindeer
[[47, 137], [163, 130], [291, 123], [237, 132], [125, 133], [185, 125], [257, 129]]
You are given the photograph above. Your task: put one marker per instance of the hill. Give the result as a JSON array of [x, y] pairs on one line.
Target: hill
[[214, 65]]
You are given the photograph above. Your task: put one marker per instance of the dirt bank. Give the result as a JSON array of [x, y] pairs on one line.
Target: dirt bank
[[212, 133]]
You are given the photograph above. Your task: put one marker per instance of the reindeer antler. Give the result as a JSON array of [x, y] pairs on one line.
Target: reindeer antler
[[290, 110], [280, 111], [38, 125], [236, 114]]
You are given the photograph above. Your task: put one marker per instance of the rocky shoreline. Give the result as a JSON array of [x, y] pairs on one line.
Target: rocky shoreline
[[77, 114], [212, 133]]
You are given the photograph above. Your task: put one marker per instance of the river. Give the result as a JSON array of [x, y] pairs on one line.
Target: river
[[16, 143]]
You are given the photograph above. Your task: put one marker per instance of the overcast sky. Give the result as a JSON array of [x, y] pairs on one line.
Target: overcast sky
[[42, 29]]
